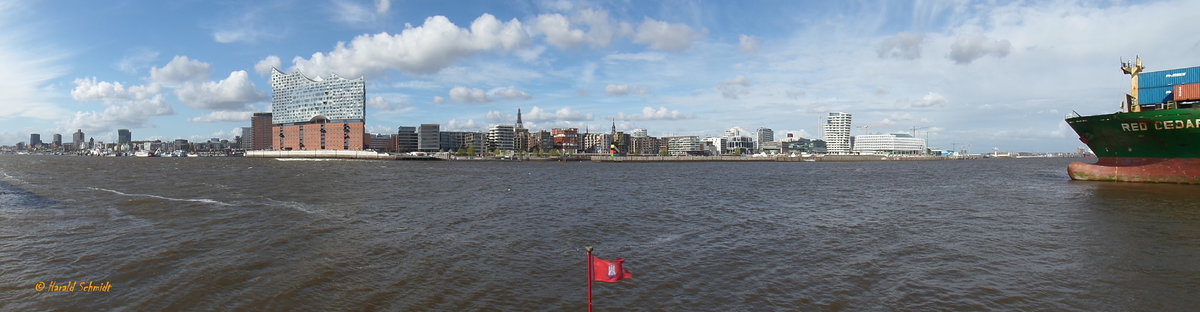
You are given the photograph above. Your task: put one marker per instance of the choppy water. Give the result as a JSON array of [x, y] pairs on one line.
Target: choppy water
[[263, 234]]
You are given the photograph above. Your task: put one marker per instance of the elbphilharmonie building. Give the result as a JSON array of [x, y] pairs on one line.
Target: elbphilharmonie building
[[321, 114]]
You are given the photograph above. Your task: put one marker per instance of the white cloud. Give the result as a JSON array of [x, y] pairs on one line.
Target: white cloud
[[264, 66], [558, 30], [136, 61], [665, 36], [29, 64], [901, 46], [735, 87], [353, 13], [931, 99], [416, 84], [624, 89], [424, 49], [641, 57], [232, 93], [469, 95], [562, 32], [224, 116], [88, 89], [455, 125], [439, 100], [179, 71], [747, 43], [649, 113], [398, 103], [537, 114], [382, 6], [129, 107], [511, 94], [968, 48]]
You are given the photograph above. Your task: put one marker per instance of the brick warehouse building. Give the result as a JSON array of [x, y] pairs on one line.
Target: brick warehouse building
[[308, 114]]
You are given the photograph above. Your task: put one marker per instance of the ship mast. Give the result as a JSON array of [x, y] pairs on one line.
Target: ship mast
[[1132, 69]]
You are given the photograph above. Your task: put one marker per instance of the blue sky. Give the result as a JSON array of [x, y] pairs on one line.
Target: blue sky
[[972, 73]]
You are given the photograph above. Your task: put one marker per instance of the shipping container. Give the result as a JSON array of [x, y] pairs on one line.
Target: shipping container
[[1154, 95], [1169, 77], [1187, 92]]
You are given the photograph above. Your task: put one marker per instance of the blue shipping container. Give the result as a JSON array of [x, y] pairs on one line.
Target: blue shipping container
[[1169, 77], [1154, 95]]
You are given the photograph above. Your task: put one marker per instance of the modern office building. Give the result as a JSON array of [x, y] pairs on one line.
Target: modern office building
[[428, 139], [260, 134], [451, 140], [888, 144], [764, 135], [407, 139], [57, 142], [500, 137], [77, 139], [248, 138], [124, 137], [309, 114], [683, 145], [381, 142], [837, 133], [35, 140]]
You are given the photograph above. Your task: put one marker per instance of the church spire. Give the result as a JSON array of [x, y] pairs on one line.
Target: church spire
[[519, 125]]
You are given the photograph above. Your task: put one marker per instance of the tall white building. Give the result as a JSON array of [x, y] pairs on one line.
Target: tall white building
[[837, 133], [886, 144], [501, 137], [682, 145]]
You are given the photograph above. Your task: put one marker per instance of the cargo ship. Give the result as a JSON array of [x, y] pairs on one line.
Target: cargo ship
[[1154, 138]]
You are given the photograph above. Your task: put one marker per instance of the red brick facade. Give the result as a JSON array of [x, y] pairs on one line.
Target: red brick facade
[[336, 136]]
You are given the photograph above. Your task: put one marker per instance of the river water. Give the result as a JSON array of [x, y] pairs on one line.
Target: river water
[[266, 234]]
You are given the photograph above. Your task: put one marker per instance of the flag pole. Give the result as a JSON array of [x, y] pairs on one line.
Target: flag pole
[[589, 278]]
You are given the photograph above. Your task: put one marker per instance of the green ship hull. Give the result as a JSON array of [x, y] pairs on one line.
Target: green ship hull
[[1152, 146], [1173, 133]]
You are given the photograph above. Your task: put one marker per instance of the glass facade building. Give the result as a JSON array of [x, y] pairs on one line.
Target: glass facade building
[[309, 114]]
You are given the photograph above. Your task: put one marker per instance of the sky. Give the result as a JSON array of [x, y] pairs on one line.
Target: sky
[[976, 74]]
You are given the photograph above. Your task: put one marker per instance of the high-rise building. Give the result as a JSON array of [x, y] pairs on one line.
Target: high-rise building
[[124, 137], [247, 138], [764, 135], [260, 132], [308, 114], [406, 139], [77, 139], [428, 139], [35, 140], [57, 140], [500, 137], [837, 133]]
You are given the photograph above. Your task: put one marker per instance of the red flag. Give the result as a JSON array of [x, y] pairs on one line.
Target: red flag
[[609, 270]]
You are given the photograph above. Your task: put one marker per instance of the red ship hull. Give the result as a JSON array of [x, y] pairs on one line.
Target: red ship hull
[[1138, 169]]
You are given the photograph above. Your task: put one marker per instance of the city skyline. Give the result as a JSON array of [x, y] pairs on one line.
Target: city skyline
[[968, 73]]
